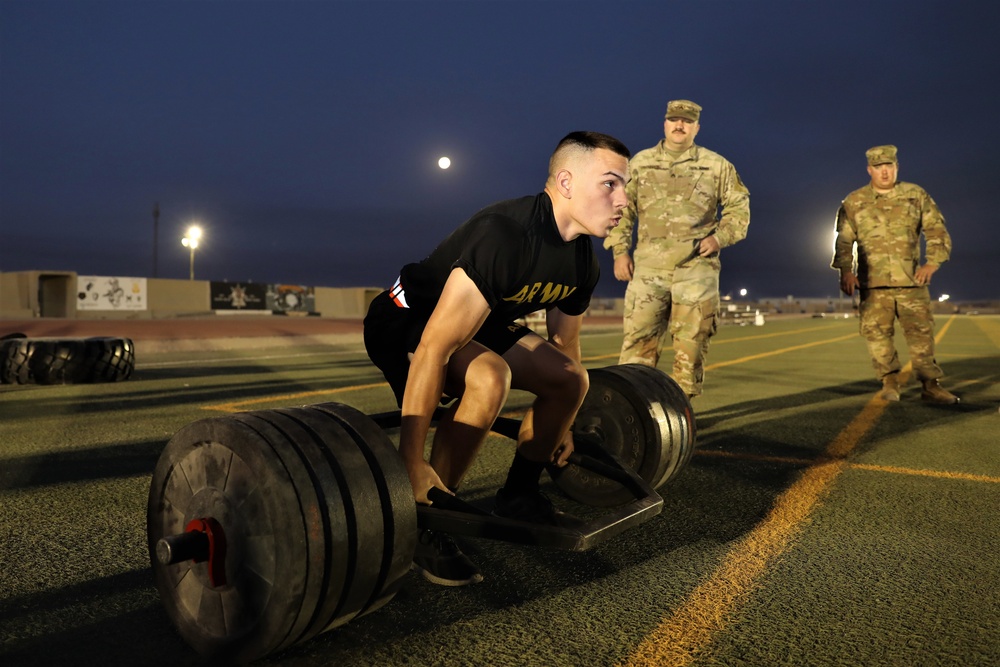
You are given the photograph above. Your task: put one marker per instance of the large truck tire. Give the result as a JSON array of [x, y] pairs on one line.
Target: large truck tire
[[26, 360]]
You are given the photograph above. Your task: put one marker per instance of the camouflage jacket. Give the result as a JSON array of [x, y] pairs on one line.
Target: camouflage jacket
[[676, 201], [886, 229]]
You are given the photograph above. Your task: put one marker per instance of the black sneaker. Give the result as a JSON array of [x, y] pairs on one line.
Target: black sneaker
[[534, 508], [441, 562]]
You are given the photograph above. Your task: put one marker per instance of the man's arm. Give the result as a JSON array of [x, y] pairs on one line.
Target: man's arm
[[734, 198], [937, 241], [459, 313], [923, 274], [843, 252], [564, 332], [619, 241]]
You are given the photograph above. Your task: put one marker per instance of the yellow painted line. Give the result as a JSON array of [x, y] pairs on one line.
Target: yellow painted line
[[939, 474], [947, 325], [990, 327], [746, 338], [600, 357], [234, 406], [759, 458], [775, 334], [679, 639], [772, 353], [237, 405], [795, 461]]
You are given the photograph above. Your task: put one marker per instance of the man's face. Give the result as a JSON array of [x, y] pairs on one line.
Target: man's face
[[599, 192], [883, 175], [680, 133]]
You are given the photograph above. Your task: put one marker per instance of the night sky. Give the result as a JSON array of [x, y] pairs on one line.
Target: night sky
[[304, 136]]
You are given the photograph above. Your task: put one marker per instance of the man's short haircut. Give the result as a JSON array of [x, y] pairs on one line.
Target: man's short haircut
[[585, 142]]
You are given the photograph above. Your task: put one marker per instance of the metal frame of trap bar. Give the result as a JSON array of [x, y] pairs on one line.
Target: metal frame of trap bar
[[455, 516]]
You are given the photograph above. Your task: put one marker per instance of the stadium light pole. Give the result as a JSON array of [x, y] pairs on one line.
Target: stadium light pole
[[190, 241], [156, 234]]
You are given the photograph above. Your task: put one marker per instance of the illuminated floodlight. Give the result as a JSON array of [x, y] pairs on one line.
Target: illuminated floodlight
[[190, 240], [944, 297]]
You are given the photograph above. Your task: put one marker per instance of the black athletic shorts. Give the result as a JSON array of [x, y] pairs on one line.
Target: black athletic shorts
[[392, 333]]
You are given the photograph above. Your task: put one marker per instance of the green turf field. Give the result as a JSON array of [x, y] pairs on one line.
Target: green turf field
[[813, 526]]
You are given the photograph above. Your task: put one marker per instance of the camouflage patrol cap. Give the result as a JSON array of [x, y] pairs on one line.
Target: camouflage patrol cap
[[683, 109], [881, 155]]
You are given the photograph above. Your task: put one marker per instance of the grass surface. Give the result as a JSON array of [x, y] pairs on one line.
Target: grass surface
[[814, 525]]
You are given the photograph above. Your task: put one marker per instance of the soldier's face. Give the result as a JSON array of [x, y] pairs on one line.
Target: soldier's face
[[680, 133], [598, 192], [883, 175]]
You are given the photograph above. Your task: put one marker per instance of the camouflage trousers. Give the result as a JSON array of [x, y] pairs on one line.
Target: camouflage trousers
[[683, 302], [879, 309]]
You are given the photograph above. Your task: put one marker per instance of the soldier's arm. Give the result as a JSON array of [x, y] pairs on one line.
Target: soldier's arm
[[937, 240], [459, 313], [734, 198], [923, 274], [843, 245], [843, 253], [564, 332], [619, 241]]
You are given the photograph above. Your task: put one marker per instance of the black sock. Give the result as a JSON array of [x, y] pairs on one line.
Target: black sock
[[523, 476]]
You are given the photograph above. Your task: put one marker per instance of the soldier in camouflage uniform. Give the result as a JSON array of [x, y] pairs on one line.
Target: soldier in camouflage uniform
[[885, 220], [675, 194]]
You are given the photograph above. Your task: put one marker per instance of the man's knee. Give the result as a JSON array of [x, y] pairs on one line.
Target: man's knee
[[695, 322], [878, 329], [573, 379], [878, 315], [487, 381], [580, 380], [567, 380], [640, 351], [647, 307], [629, 358]]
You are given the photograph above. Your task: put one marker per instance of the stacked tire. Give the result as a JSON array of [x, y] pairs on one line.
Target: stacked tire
[[25, 360]]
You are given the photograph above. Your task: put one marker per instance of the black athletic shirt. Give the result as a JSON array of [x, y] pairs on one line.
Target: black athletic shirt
[[512, 251]]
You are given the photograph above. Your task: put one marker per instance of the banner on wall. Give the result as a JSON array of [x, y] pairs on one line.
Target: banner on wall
[[238, 296], [110, 293], [291, 299]]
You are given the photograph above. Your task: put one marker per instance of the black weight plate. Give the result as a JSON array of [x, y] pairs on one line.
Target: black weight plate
[[399, 513], [341, 545], [676, 418], [679, 437], [635, 412], [222, 468], [363, 543], [308, 586], [618, 413], [659, 450]]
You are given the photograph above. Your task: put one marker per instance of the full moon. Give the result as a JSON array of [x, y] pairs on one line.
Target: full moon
[[444, 162]]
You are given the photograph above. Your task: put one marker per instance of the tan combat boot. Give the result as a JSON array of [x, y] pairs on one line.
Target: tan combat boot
[[935, 393], [890, 388]]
